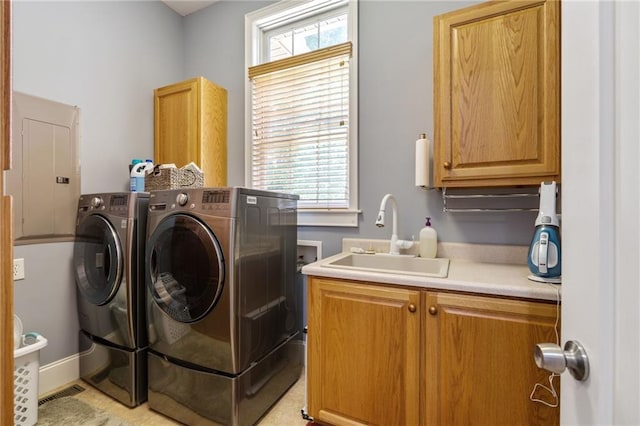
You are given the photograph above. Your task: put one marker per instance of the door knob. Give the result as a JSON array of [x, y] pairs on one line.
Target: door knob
[[553, 358]]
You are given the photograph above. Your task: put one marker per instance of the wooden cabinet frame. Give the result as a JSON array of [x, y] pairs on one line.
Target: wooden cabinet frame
[[6, 228]]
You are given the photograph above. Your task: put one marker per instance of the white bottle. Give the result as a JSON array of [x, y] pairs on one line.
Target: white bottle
[[428, 240], [137, 177], [132, 178]]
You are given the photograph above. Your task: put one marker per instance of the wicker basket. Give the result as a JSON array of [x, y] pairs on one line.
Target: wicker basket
[[188, 176]]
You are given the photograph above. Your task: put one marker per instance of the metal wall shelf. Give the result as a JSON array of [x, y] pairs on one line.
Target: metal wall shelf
[[463, 200]]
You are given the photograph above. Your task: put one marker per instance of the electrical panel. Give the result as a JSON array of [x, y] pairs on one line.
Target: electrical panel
[[44, 179]]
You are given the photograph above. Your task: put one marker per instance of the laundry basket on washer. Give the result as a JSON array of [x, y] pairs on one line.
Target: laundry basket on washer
[[25, 379]]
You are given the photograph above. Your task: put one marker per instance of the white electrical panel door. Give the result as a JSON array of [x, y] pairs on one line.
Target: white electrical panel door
[[45, 176], [47, 172]]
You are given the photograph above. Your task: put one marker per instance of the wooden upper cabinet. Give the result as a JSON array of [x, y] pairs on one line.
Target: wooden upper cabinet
[[191, 125], [497, 94]]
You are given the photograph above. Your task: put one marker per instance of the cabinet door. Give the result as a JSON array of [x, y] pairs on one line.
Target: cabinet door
[[496, 94], [177, 135], [479, 360], [363, 353]]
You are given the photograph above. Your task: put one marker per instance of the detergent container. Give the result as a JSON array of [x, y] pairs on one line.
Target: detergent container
[[544, 257], [138, 172]]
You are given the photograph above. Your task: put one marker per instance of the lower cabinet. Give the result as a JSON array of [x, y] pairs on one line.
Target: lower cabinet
[[478, 364], [363, 353], [387, 355]]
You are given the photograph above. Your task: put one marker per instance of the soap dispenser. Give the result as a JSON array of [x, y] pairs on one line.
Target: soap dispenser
[[428, 240]]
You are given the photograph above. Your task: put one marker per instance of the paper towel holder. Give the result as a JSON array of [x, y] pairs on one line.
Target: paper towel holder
[[424, 161]]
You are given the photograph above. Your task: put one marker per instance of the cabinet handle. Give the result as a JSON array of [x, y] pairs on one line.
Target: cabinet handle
[[433, 310], [447, 165], [412, 307]]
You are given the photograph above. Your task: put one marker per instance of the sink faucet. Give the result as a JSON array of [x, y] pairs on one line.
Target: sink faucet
[[396, 244]]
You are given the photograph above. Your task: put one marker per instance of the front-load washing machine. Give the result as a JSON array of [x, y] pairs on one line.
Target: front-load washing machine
[[224, 309], [107, 256]]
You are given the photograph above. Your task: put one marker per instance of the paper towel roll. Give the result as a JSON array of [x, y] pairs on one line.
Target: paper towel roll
[[423, 161]]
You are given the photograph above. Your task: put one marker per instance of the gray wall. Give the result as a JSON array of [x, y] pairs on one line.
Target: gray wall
[[214, 48], [395, 106], [107, 57]]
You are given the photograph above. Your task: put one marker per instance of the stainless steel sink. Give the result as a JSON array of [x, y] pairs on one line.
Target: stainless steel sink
[[408, 265]]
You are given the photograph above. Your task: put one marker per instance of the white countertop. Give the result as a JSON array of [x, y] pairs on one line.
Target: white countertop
[[464, 275]]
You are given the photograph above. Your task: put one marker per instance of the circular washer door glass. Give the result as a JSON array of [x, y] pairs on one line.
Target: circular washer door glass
[[97, 257], [185, 268]]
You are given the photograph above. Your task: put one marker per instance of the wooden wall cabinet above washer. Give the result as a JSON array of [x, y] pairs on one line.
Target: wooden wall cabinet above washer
[[497, 94], [191, 125]]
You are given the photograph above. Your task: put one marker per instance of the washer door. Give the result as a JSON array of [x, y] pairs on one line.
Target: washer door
[[97, 255], [185, 268]]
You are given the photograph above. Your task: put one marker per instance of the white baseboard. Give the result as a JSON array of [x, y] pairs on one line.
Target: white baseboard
[[58, 373]]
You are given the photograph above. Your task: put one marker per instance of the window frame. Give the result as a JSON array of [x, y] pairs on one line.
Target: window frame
[[288, 26], [255, 42]]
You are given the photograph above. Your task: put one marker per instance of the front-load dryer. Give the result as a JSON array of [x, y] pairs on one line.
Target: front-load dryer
[[224, 308], [107, 256]]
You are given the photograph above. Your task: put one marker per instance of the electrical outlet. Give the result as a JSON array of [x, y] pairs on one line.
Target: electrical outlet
[[18, 269]]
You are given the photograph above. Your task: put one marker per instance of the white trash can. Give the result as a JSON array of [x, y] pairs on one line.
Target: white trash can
[[25, 379]]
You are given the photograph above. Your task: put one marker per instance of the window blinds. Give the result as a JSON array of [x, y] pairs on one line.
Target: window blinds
[[300, 126]]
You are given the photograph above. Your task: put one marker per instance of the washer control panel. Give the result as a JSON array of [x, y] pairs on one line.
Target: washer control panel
[[116, 203]]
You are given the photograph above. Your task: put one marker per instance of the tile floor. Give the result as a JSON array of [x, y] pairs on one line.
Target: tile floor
[[286, 412]]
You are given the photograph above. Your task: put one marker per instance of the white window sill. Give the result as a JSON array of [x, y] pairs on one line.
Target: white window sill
[[328, 217]]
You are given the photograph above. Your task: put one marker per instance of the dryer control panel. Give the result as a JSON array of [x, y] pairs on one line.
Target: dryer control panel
[[198, 200]]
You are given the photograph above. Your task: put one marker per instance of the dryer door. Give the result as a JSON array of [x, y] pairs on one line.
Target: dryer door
[[97, 256], [185, 268]]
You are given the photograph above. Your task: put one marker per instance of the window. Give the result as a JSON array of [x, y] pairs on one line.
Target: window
[[301, 103]]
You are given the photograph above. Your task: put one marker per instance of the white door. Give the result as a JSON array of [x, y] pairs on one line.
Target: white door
[[600, 213]]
